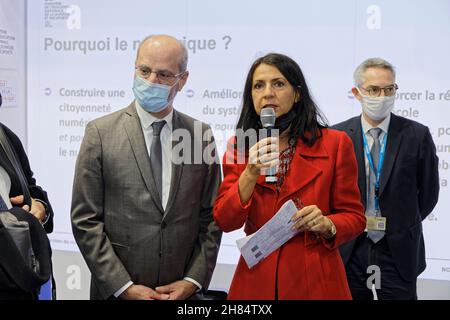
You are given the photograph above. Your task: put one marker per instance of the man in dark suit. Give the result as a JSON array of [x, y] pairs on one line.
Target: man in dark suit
[[399, 185], [18, 189], [141, 208]]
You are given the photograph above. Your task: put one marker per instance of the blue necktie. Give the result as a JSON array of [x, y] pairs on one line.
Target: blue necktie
[[374, 235]]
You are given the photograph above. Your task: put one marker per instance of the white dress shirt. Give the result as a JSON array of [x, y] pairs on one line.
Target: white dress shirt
[[166, 146], [5, 187]]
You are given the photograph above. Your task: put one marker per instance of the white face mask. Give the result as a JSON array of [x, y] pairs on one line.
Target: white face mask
[[377, 108]]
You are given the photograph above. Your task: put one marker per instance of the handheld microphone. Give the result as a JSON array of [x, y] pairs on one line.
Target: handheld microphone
[[268, 122]]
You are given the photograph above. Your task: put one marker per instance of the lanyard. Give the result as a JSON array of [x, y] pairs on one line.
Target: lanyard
[[380, 165]]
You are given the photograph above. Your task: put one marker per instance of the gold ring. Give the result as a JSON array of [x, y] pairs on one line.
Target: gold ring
[[314, 221]]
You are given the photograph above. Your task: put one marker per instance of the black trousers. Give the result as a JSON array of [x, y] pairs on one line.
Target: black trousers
[[392, 285], [17, 295]]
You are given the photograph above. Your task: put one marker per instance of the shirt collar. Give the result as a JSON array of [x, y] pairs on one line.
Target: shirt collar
[[147, 118], [384, 125]]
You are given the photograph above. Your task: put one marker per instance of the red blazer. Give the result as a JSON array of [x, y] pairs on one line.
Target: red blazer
[[306, 267]]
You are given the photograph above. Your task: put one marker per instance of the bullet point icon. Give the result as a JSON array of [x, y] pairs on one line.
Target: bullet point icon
[[350, 95], [189, 93], [47, 91]]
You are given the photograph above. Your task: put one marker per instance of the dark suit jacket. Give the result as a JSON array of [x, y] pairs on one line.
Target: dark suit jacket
[[35, 191], [409, 188], [117, 218], [41, 245]]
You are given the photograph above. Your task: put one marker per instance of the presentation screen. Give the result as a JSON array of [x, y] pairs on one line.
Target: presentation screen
[[81, 57]]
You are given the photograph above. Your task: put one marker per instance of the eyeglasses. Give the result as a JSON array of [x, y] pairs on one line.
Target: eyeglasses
[[376, 91], [164, 77]]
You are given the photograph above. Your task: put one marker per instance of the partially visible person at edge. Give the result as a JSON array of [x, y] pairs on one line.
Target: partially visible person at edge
[[12, 195], [317, 170]]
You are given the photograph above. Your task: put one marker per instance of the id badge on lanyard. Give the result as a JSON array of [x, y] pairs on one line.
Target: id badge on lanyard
[[376, 222]]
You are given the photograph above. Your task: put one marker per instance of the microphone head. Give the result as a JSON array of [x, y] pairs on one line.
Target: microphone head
[[268, 117]]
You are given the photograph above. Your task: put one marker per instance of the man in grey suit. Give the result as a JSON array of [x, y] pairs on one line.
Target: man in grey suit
[[141, 207]]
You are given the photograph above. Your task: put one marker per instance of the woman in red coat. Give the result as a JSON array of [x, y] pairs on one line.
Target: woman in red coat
[[316, 169]]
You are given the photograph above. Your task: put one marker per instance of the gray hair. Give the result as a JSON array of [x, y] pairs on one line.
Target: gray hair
[[182, 65], [371, 63]]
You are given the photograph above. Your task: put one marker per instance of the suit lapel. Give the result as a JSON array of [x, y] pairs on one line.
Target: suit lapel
[[355, 133], [302, 170], [177, 169], [135, 135], [393, 145]]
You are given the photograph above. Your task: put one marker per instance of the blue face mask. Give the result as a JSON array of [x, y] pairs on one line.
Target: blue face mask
[[153, 97]]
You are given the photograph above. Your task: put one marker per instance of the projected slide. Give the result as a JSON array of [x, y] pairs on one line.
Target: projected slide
[[81, 63], [12, 65]]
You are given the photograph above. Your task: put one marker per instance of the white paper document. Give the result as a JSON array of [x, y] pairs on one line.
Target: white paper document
[[272, 235]]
